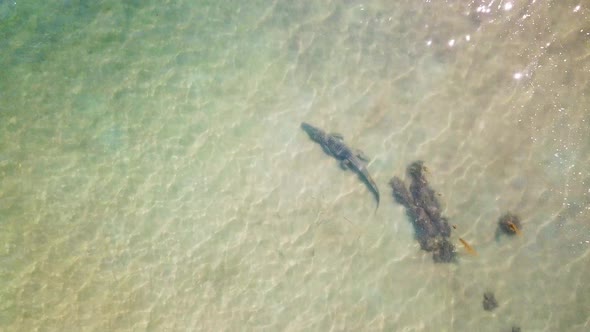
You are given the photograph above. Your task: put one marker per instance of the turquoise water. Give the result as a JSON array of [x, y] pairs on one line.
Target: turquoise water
[[153, 175]]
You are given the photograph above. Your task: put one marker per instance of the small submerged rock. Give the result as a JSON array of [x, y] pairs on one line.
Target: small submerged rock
[[489, 301], [510, 224]]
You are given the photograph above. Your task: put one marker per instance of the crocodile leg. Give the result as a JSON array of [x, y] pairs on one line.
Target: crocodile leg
[[361, 155], [345, 164], [337, 136]]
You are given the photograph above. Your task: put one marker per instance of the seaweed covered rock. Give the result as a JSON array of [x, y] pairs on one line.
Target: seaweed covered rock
[[444, 252], [510, 224], [401, 193], [432, 230], [421, 192]]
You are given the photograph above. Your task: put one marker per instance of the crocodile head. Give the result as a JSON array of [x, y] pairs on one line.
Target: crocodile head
[[314, 133]]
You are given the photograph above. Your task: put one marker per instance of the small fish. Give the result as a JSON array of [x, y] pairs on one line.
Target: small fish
[[468, 247], [514, 228], [454, 226]]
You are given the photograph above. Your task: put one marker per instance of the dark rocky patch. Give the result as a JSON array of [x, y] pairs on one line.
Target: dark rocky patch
[[432, 230], [444, 251]]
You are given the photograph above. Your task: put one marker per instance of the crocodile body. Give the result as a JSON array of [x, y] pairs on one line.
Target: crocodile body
[[333, 144]]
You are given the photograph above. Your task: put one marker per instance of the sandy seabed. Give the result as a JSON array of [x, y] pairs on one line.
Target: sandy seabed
[[153, 174]]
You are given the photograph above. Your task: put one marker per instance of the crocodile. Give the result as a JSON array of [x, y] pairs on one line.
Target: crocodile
[[333, 144]]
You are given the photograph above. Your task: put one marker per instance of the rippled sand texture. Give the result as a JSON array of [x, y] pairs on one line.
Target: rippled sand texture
[[153, 175]]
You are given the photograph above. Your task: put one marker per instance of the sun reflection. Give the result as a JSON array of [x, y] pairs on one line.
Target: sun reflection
[[483, 9], [508, 6], [577, 8]]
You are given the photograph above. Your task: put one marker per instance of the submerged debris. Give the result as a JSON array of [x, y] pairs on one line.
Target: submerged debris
[[422, 206], [468, 247], [510, 224], [515, 329], [489, 301]]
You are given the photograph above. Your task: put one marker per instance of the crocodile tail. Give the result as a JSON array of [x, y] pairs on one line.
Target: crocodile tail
[[373, 186], [376, 193]]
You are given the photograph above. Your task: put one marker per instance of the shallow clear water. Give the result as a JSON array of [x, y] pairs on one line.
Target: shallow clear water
[[153, 174]]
